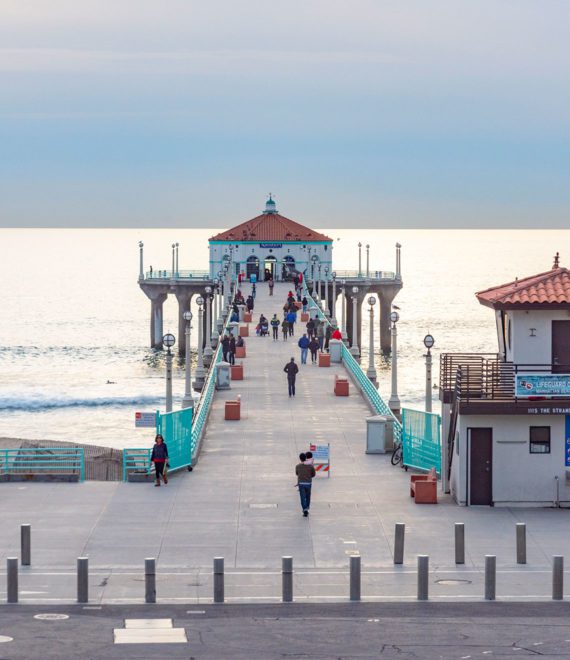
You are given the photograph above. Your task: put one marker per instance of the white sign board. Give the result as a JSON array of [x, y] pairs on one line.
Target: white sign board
[[145, 420], [321, 458]]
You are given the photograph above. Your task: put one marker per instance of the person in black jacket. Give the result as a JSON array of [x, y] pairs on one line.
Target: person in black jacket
[[291, 369], [159, 457]]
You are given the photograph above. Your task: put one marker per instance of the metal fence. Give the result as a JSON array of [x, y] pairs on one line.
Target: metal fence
[[421, 440], [136, 460], [177, 275], [40, 461], [176, 429]]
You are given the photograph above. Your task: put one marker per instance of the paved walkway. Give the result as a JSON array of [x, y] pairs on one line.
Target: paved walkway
[[240, 503]]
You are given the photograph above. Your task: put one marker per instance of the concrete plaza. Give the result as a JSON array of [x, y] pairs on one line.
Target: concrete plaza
[[240, 503]]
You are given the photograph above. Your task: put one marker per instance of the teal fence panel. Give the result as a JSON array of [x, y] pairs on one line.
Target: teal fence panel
[[369, 391], [43, 461], [421, 440], [136, 460], [176, 429]]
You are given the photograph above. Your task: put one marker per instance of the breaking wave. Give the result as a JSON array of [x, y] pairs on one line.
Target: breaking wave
[[37, 404]]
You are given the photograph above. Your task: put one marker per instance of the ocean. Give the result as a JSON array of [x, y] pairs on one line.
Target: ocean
[[75, 362]]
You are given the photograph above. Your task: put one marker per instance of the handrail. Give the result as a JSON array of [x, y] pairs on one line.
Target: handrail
[[368, 390], [43, 460], [136, 459], [177, 275]]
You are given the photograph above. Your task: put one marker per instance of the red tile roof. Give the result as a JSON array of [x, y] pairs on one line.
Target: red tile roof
[[547, 289], [270, 227]]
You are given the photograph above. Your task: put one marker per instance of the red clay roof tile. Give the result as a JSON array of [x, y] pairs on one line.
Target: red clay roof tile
[[270, 227], [550, 288]]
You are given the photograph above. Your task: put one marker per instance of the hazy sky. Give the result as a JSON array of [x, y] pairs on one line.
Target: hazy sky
[[354, 113]]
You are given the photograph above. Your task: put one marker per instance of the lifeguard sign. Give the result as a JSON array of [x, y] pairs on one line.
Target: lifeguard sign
[[321, 458]]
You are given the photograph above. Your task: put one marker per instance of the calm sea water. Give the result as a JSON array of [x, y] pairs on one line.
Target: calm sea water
[[72, 316]]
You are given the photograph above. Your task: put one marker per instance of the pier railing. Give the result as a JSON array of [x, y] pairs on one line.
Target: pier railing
[[369, 391], [373, 275], [48, 463], [421, 440], [177, 275]]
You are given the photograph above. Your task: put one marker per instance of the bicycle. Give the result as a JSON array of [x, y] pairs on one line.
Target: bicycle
[[398, 456]]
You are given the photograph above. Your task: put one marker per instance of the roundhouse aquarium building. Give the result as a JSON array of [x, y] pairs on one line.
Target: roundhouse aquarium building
[[506, 415], [271, 245]]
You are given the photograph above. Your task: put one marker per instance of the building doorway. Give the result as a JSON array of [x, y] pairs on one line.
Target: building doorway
[[252, 267], [288, 268], [480, 451], [560, 347], [270, 264]]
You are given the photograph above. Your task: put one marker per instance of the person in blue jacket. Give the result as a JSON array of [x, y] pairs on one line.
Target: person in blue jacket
[[304, 346]]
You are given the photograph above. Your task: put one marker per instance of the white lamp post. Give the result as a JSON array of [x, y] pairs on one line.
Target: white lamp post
[[344, 302], [200, 371], [188, 400], [429, 341], [208, 352], [176, 259], [314, 259], [168, 340], [214, 333], [359, 259], [141, 262], [394, 401], [326, 291], [173, 260], [371, 371], [220, 303], [354, 350], [333, 302], [367, 260]]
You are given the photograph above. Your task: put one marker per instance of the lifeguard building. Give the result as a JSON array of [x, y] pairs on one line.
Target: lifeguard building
[[506, 416], [271, 245]]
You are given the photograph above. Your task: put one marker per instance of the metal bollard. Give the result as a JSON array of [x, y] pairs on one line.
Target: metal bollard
[[459, 543], [355, 577], [26, 544], [490, 577], [287, 579], [82, 580], [521, 543], [12, 579], [150, 580], [399, 533], [557, 577], [423, 577], [218, 579]]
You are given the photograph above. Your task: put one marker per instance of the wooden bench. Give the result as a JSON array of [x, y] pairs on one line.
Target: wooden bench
[[423, 487], [304, 317], [244, 331], [236, 372], [247, 317], [324, 359], [341, 386], [240, 351]]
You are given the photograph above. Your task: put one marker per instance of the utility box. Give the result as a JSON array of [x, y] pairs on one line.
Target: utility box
[[335, 350], [377, 432], [233, 329], [242, 312], [223, 376]]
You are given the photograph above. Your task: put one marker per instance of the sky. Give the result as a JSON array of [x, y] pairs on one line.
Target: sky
[[354, 113]]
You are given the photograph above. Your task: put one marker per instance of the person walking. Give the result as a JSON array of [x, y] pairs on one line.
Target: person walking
[[310, 327], [271, 284], [321, 335], [249, 304], [159, 457], [314, 347], [305, 475], [253, 291], [291, 318], [291, 369], [305, 303], [275, 323], [328, 333], [304, 346], [285, 329], [232, 350], [225, 347]]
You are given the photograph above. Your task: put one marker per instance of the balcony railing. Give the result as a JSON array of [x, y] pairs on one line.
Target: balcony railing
[[481, 377], [373, 275]]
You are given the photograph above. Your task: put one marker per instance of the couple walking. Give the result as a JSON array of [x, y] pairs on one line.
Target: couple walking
[[305, 471]]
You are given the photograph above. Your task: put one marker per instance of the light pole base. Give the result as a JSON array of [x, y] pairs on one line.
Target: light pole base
[[188, 402], [395, 406], [354, 351], [372, 377]]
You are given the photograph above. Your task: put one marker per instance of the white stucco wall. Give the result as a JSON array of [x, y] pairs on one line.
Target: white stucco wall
[[244, 250], [525, 349], [519, 477]]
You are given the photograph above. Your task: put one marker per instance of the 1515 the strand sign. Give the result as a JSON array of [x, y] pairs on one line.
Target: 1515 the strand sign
[[542, 385]]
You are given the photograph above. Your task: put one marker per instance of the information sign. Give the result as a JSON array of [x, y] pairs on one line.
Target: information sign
[[321, 458], [542, 385], [145, 420]]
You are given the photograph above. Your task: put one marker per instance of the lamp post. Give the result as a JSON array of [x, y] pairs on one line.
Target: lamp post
[[333, 302], [355, 351], [367, 260], [220, 303], [188, 400], [319, 282], [208, 352], [326, 290], [214, 333], [394, 401], [359, 259], [314, 259], [344, 302], [429, 341], [173, 259], [371, 371], [200, 371], [177, 271], [141, 262], [168, 340]]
